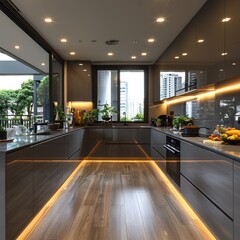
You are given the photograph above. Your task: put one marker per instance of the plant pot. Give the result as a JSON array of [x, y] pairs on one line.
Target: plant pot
[[60, 123], [3, 135], [190, 131], [106, 118]]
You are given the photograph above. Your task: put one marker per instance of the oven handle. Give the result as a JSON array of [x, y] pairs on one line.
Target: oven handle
[[169, 149]]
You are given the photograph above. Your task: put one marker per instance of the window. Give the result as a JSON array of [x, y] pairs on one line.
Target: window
[[125, 89]]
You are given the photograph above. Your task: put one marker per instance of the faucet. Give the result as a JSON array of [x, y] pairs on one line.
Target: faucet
[[38, 124]]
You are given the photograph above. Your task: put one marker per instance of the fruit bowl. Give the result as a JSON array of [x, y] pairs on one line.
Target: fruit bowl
[[229, 141]]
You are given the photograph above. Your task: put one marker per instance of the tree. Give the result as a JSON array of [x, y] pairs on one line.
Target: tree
[[139, 117], [4, 102], [25, 97], [43, 96], [43, 91]]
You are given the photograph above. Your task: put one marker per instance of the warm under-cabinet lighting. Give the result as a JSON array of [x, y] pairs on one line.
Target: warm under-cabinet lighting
[[183, 203], [27, 231], [209, 93]]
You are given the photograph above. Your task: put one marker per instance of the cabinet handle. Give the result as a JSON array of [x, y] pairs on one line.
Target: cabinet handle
[[169, 149]]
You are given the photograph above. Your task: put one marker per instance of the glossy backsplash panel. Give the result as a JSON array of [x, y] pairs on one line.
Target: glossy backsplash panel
[[222, 109]]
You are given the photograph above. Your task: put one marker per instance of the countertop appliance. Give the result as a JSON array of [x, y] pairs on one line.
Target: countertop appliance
[[172, 147]]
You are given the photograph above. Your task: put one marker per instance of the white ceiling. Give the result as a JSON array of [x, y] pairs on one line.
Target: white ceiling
[[82, 21]]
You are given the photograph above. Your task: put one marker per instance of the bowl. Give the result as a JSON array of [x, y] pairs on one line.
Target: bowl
[[53, 126]]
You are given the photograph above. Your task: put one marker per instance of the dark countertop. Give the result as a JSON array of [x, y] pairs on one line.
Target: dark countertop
[[231, 151], [227, 150], [28, 140]]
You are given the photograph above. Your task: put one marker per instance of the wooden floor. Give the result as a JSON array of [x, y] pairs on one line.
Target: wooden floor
[[117, 200]]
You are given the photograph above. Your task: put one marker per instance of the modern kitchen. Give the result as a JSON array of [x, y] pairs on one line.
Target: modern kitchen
[[127, 137]]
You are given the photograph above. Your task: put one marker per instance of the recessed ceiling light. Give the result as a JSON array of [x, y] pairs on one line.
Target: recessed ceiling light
[[160, 19], [133, 57], [80, 64], [89, 75], [176, 57], [221, 70], [43, 64], [151, 40], [72, 53], [184, 54], [48, 20], [110, 54], [84, 70], [226, 19], [234, 64], [144, 54], [63, 40], [200, 40], [224, 54], [17, 47]]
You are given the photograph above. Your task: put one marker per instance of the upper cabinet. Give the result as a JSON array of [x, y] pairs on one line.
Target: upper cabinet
[[232, 36], [205, 52], [79, 81]]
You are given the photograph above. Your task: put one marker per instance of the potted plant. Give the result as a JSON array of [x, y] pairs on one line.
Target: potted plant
[[181, 121], [91, 116], [59, 115], [3, 133], [158, 122], [107, 112]]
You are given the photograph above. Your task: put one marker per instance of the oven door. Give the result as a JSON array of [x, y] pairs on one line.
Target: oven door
[[173, 163]]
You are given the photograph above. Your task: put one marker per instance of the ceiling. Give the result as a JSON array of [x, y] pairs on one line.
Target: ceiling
[[88, 24]]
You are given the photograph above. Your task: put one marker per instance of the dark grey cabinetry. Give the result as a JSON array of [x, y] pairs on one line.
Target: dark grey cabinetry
[[32, 176], [140, 136], [158, 152], [19, 208], [207, 183], [79, 83], [236, 200]]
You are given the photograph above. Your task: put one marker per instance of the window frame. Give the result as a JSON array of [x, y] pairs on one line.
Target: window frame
[[118, 68]]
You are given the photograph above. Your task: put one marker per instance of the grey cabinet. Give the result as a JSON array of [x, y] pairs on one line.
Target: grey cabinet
[[79, 81], [207, 183], [158, 152], [31, 176], [19, 207], [236, 200]]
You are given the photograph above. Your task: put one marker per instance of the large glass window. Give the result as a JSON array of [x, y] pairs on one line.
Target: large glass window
[[125, 90], [132, 95]]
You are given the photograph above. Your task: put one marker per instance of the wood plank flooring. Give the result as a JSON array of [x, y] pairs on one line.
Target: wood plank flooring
[[117, 201]]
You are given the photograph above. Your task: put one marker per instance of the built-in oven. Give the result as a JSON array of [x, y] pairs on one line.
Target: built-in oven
[[172, 147]]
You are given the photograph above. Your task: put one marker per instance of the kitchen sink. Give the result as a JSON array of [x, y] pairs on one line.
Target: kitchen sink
[[44, 133]]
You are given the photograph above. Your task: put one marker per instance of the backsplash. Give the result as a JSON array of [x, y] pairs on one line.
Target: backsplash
[[222, 109]]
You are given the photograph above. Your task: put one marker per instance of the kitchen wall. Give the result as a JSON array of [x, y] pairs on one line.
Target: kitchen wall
[[214, 61]]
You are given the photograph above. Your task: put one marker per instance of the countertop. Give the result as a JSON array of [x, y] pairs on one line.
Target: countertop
[[28, 140], [231, 151]]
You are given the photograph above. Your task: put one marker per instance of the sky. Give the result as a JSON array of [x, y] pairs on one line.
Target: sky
[[13, 82]]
